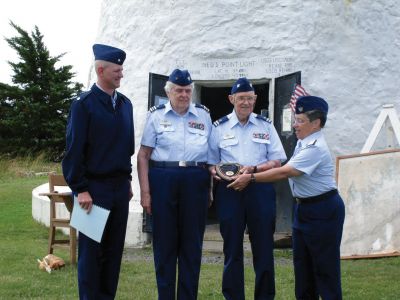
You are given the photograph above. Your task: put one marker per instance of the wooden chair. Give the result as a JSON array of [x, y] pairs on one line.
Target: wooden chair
[[56, 180]]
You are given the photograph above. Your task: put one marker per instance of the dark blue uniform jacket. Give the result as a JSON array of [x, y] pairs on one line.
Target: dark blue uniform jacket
[[100, 140]]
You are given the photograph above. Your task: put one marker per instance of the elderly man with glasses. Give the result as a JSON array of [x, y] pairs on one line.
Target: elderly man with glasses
[[250, 140]]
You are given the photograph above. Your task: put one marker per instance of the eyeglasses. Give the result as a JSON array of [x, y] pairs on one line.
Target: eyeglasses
[[300, 121], [243, 99]]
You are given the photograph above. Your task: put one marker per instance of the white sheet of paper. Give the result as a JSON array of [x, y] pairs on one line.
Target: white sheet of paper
[[92, 224], [287, 120]]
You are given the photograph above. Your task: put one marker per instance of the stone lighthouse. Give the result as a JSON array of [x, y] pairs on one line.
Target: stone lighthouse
[[346, 51]]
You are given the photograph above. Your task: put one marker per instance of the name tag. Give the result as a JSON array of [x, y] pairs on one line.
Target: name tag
[[165, 123], [228, 142], [165, 126], [167, 129], [228, 136]]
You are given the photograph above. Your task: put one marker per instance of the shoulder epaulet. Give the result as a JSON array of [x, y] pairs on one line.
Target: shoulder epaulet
[[202, 106], [123, 96], [154, 108], [83, 95], [312, 143], [220, 121], [263, 118]]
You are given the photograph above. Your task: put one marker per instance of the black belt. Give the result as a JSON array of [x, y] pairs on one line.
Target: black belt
[[181, 163], [315, 199]]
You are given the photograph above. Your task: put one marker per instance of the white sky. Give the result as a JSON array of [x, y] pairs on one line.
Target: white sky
[[67, 26]]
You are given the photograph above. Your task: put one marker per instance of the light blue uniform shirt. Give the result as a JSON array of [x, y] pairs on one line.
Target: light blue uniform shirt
[[175, 137], [312, 157], [253, 143]]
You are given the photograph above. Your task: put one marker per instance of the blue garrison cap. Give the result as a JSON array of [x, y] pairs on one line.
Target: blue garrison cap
[[180, 77], [242, 85], [307, 103], [109, 53]]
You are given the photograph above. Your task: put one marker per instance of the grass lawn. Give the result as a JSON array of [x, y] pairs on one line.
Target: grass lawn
[[23, 240]]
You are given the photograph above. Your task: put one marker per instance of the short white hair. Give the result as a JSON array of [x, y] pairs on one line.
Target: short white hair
[[169, 85], [101, 63]]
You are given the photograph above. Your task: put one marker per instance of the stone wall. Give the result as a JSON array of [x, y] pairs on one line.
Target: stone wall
[[348, 51]]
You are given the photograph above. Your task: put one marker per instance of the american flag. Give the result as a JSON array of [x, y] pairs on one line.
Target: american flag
[[297, 92]]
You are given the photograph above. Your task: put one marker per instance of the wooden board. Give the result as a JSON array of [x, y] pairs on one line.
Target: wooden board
[[370, 187]]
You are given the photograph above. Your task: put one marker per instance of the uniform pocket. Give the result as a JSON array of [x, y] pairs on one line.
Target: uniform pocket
[[166, 135], [228, 143], [197, 131], [197, 136], [261, 141]]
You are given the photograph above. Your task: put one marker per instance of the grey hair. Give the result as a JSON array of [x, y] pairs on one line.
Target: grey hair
[[100, 63], [316, 114], [169, 85]]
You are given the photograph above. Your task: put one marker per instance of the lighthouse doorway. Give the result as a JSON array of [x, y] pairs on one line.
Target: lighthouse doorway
[[214, 95], [216, 98], [273, 97]]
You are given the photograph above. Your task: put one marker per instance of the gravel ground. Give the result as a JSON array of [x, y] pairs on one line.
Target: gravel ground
[[209, 257], [212, 249]]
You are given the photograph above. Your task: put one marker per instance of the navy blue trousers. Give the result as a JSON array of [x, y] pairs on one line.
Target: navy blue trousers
[[179, 207], [255, 207], [317, 233], [99, 263]]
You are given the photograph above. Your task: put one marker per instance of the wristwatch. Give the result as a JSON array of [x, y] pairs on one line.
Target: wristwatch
[[252, 178]]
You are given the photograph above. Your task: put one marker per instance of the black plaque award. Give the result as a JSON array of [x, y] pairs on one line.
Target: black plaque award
[[227, 170]]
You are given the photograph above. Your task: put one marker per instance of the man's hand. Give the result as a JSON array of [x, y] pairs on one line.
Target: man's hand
[[213, 173], [85, 201], [246, 170], [145, 202], [240, 182]]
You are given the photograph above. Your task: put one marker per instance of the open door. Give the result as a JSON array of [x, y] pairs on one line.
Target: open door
[[157, 93], [157, 96], [283, 91]]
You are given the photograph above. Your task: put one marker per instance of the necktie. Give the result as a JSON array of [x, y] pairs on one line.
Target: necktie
[[114, 100]]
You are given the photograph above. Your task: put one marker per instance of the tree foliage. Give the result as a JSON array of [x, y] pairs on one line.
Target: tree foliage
[[34, 110]]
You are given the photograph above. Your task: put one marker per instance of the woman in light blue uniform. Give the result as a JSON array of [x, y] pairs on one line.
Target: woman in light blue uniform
[[319, 209], [174, 185]]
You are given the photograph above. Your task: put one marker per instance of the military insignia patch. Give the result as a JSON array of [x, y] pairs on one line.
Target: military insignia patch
[[260, 117], [154, 108], [195, 125], [261, 135], [203, 107], [220, 121]]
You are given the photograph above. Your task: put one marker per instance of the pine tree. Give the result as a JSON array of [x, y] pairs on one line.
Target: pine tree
[[34, 110]]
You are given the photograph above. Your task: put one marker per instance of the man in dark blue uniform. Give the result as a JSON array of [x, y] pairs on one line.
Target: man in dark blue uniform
[[97, 167]]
